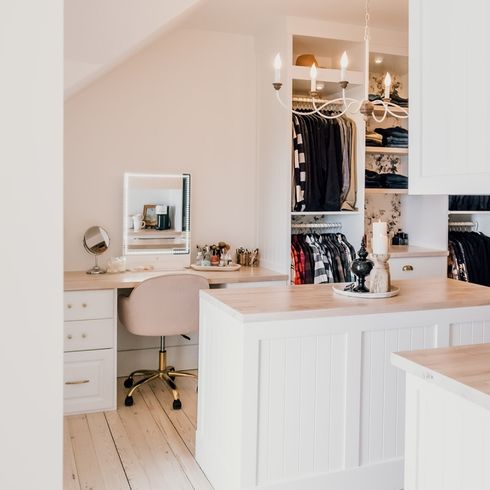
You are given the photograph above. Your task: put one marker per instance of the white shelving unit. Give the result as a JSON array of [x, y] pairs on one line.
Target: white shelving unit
[[386, 149], [386, 191]]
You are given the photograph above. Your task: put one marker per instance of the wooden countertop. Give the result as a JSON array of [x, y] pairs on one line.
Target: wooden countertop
[[464, 370], [79, 280], [407, 251], [286, 302]]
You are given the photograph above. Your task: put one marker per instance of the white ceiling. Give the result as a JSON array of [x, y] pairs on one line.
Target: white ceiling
[[99, 34], [246, 16]]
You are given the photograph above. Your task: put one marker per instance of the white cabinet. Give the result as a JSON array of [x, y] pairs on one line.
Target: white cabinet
[[90, 354], [449, 104], [418, 267]]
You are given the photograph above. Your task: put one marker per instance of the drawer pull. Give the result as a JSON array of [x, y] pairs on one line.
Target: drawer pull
[[68, 306], [84, 335], [79, 382], [407, 268], [69, 336], [84, 305]]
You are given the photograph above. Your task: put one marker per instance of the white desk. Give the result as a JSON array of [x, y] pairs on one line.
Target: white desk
[[97, 348]]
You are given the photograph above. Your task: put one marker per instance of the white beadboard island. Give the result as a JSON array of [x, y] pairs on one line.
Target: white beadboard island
[[296, 385], [448, 418]]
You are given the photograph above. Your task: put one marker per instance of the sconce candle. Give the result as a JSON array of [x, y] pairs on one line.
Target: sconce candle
[[277, 68], [344, 62], [387, 85], [313, 76]]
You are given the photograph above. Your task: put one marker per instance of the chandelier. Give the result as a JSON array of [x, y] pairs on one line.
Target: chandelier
[[349, 105]]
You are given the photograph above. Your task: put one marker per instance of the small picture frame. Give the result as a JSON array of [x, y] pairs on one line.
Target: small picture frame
[[149, 215]]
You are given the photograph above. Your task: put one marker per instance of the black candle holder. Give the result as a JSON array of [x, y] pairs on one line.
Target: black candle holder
[[361, 267]]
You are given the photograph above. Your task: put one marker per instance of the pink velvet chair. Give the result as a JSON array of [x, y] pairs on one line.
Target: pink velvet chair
[[160, 306]]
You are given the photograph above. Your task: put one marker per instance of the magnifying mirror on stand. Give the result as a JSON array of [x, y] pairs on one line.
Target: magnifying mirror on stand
[[96, 241]]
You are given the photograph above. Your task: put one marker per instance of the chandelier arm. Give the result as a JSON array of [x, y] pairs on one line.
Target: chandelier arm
[[383, 117], [298, 113], [398, 108]]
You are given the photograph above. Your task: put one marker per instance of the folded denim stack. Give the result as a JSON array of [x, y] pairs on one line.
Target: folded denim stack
[[374, 139], [396, 137], [374, 180]]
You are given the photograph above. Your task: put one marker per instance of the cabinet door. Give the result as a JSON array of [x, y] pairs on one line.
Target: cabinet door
[[449, 97]]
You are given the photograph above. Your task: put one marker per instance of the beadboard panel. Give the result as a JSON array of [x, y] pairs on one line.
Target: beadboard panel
[[383, 390], [477, 332], [448, 440], [302, 387]]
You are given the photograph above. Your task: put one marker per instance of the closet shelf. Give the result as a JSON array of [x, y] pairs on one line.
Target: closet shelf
[[386, 149], [323, 213], [385, 191], [379, 109], [468, 212]]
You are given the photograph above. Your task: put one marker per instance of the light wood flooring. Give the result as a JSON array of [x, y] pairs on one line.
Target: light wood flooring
[[146, 446]]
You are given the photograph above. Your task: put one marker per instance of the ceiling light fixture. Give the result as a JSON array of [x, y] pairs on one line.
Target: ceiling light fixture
[[349, 105]]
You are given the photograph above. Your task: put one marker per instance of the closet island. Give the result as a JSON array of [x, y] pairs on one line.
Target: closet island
[[296, 385]]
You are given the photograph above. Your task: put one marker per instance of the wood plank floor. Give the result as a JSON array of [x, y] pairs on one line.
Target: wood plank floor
[[146, 446]]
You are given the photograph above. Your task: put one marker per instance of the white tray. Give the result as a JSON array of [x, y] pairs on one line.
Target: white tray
[[339, 289], [215, 268]]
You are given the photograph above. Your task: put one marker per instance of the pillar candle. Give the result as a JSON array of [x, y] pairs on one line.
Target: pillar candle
[[380, 238]]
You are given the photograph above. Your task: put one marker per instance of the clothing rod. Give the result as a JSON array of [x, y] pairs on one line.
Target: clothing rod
[[309, 100], [316, 225], [462, 223]]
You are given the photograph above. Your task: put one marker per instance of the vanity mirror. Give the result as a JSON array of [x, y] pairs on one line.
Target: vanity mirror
[[156, 214], [96, 241]]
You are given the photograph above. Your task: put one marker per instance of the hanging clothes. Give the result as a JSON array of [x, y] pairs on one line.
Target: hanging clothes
[[318, 259], [469, 257], [324, 163], [469, 203]]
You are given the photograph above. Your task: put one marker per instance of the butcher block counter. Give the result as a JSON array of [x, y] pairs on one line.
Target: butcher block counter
[[296, 385], [448, 416]]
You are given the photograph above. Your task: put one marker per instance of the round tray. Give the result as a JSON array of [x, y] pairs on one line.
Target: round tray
[[216, 268], [339, 289]]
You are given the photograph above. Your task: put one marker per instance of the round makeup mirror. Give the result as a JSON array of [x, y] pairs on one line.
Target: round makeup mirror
[[96, 241]]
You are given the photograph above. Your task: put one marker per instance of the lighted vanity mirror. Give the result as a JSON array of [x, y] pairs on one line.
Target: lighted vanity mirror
[[156, 214]]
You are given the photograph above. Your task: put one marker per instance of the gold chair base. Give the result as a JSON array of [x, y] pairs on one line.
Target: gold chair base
[[165, 373]]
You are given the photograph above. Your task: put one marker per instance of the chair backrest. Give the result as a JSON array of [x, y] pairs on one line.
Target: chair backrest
[[163, 305]]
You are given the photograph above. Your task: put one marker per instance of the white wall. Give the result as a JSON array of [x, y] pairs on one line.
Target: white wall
[[31, 348], [184, 104]]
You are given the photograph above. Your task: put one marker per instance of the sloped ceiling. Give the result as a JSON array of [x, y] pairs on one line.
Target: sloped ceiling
[[99, 34]]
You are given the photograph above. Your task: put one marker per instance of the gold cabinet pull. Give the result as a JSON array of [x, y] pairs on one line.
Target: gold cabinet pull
[[407, 268], [68, 306], [79, 382], [84, 305], [69, 336]]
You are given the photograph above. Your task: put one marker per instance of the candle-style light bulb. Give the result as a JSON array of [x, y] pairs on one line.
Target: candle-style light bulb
[[344, 63], [313, 76], [277, 68], [387, 85]]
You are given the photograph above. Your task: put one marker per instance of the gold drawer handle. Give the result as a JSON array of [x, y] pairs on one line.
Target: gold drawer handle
[[407, 268], [69, 336], [84, 305], [80, 382], [69, 306], [84, 335]]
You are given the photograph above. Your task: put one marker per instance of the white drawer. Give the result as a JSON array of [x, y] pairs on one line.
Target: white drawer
[[88, 305], [89, 334], [418, 267], [89, 381]]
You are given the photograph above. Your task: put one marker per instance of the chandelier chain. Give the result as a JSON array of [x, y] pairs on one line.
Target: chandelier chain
[[366, 26]]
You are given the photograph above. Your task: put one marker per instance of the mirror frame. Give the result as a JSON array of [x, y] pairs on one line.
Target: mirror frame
[[186, 215]]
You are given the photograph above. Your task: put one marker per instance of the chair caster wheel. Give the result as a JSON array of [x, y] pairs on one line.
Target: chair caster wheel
[[128, 401], [177, 405], [128, 383]]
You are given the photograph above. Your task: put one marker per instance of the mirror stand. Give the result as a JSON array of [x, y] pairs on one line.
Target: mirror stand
[[96, 241], [96, 269]]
